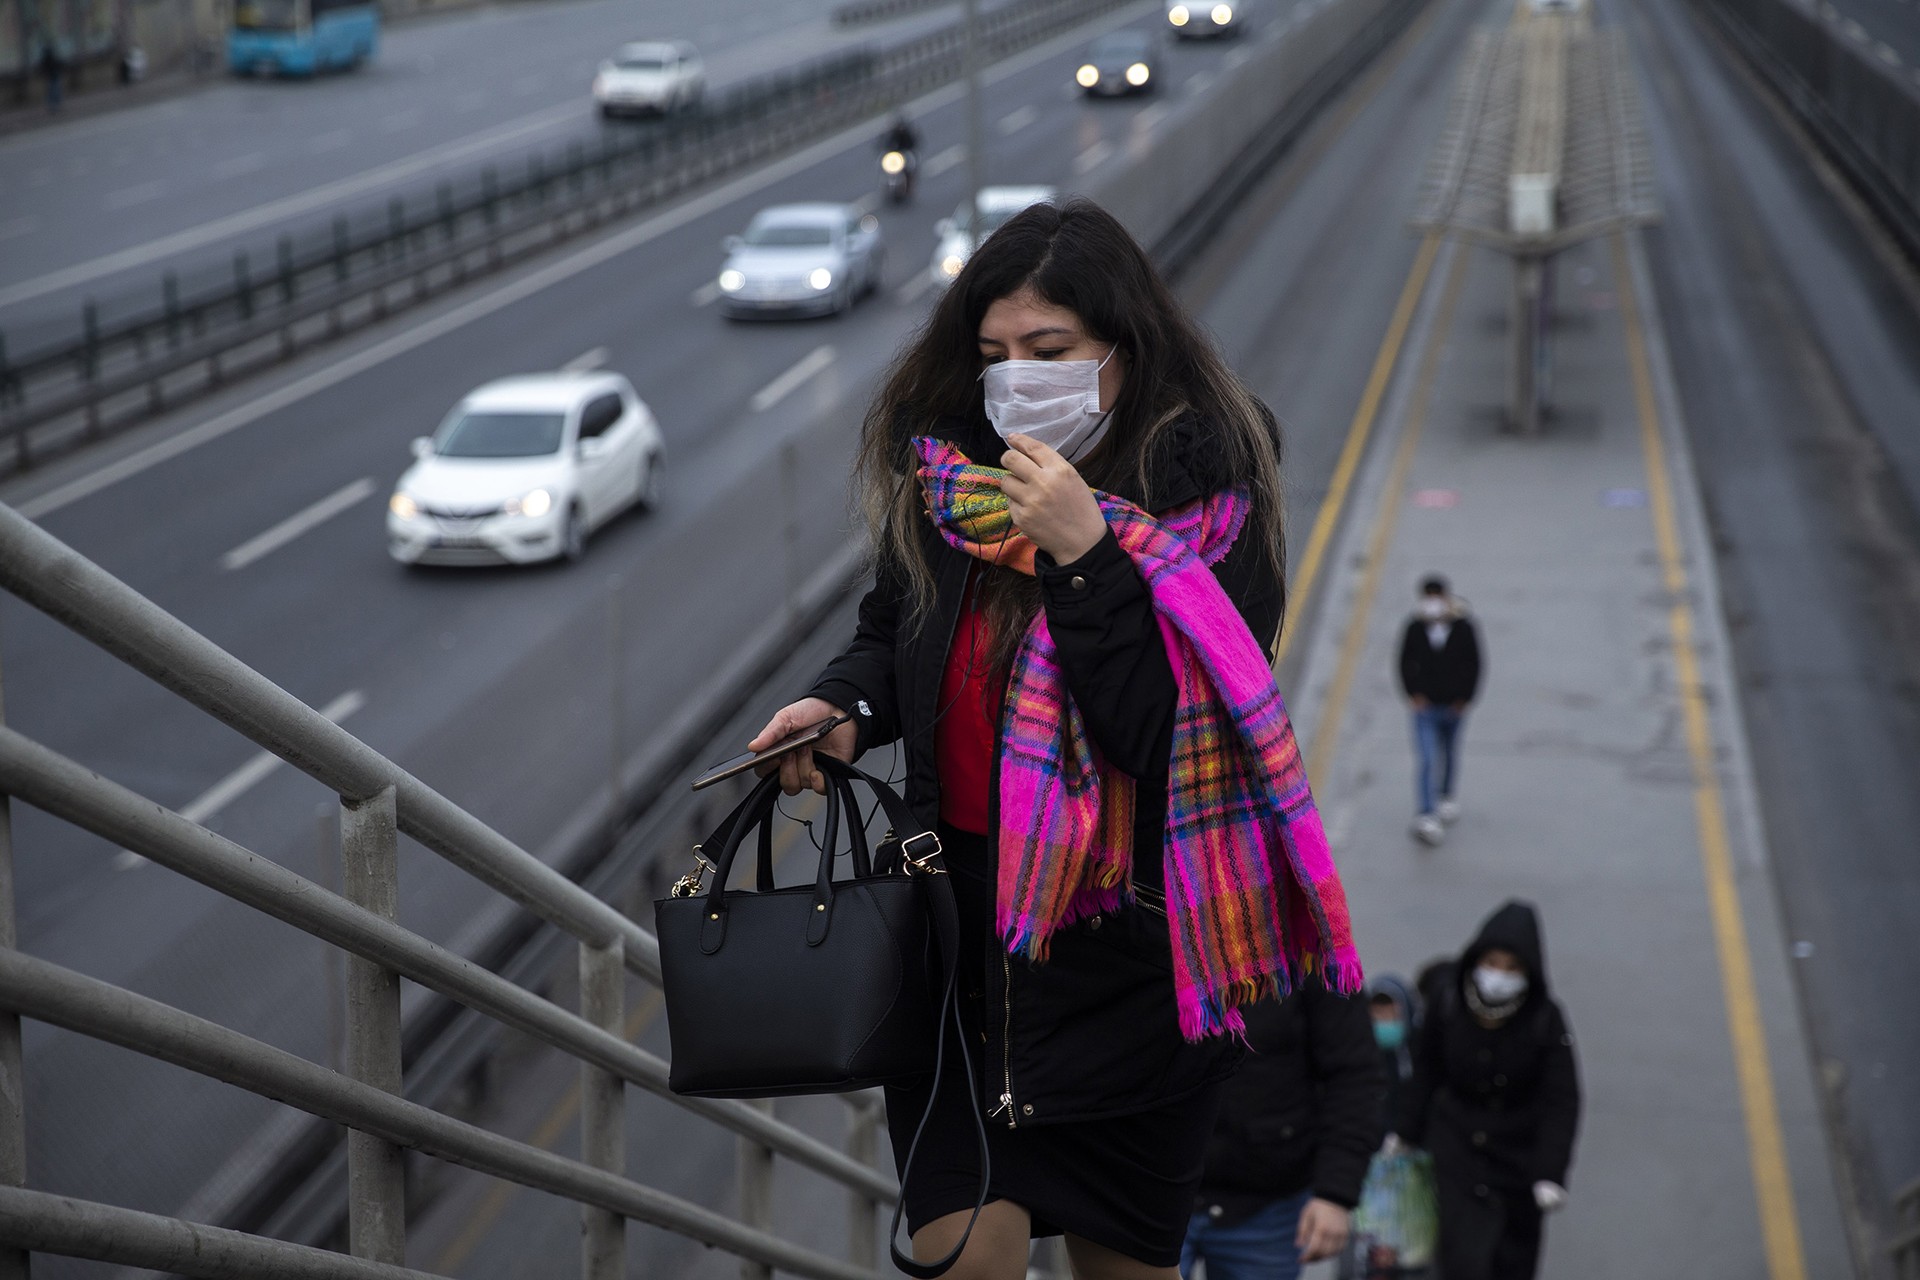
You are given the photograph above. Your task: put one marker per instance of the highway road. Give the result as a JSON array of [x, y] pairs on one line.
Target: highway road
[[102, 207], [497, 688], [1888, 29], [1797, 349]]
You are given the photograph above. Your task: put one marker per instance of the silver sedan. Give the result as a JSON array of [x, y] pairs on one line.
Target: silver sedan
[[801, 259]]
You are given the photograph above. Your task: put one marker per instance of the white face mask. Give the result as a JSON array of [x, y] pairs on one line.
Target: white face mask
[[1499, 986], [1057, 402], [1434, 609]]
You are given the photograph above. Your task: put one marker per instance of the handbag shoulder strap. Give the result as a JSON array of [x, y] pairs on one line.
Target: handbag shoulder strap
[[924, 858]]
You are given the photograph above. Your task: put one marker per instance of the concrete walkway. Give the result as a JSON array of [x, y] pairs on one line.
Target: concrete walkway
[[1605, 772]]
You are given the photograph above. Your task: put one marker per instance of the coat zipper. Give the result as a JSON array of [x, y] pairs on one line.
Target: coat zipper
[[1006, 1041]]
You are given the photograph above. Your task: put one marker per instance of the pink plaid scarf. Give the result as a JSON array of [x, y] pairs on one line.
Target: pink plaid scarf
[[1253, 900]]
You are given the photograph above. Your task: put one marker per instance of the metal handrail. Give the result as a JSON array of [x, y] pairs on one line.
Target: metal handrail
[[379, 800]]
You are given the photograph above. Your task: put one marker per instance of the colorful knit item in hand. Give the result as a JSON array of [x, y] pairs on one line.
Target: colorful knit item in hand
[[1253, 901]]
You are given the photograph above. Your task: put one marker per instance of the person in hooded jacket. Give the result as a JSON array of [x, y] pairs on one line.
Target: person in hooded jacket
[[1060, 356], [1495, 1097], [1395, 1015], [1297, 1125]]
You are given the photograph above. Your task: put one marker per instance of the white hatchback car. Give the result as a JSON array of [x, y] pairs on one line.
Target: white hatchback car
[[524, 469], [664, 76], [997, 204], [1196, 19]]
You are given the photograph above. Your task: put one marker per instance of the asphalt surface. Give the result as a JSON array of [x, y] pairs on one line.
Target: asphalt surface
[[103, 207], [1795, 357], [1888, 29], [497, 688]]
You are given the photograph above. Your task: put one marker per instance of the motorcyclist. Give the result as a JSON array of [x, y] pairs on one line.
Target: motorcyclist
[[900, 136]]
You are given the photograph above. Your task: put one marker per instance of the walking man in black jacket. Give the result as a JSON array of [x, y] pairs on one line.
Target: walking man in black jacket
[[1440, 672], [1297, 1125]]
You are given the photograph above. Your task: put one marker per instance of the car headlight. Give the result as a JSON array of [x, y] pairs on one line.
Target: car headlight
[[951, 264], [892, 162], [534, 504], [1088, 76], [1178, 15], [1137, 74], [403, 506], [1222, 14], [819, 277], [732, 281]]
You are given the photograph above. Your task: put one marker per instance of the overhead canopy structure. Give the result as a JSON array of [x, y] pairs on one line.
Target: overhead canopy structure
[[1543, 145]]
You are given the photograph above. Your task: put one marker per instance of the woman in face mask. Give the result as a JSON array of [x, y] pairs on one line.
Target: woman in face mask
[[1058, 437], [1495, 1096]]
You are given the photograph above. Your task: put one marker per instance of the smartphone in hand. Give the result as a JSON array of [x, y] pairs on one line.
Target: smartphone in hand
[[753, 759]]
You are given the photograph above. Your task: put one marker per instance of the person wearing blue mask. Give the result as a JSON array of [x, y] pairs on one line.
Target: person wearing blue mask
[[1495, 1098]]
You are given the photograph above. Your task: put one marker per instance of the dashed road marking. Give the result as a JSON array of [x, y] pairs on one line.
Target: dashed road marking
[[1014, 121], [706, 295], [790, 381], [299, 522], [126, 197], [1093, 157], [945, 160], [586, 361], [917, 283]]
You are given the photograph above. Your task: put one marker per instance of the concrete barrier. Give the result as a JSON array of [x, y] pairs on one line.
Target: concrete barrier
[[1178, 177]]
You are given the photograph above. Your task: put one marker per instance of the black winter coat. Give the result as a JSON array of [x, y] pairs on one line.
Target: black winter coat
[[1497, 1106], [1444, 676], [1094, 1030], [1303, 1110]]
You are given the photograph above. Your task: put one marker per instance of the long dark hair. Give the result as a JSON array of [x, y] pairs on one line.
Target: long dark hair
[[1074, 255]]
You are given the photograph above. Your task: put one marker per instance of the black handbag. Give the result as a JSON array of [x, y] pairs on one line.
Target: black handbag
[[826, 987]]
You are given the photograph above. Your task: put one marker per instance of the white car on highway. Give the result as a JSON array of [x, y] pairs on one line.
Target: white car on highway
[[524, 469], [957, 243], [1191, 19], [801, 259], [662, 76]]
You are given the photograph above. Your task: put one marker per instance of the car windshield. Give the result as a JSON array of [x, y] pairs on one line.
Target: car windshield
[[789, 234], [1121, 44], [640, 60], [491, 433]]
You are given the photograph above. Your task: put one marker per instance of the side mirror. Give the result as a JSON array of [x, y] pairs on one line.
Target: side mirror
[[731, 243], [943, 228], [422, 447]]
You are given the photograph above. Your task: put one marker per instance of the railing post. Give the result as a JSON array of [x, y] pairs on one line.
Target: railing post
[[863, 1212], [376, 1182], [13, 1118], [756, 1194], [603, 1110]]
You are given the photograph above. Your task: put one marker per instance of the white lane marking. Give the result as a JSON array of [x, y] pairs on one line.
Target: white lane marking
[[251, 163], [586, 361], [526, 286], [945, 160], [918, 283], [299, 522], [784, 385], [867, 203], [1886, 53], [1855, 32], [244, 779], [275, 210], [1198, 83], [706, 295], [19, 227], [1093, 157], [1016, 120], [331, 140], [1147, 121], [138, 194]]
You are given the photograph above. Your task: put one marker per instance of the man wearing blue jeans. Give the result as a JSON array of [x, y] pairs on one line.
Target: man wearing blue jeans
[[1440, 673], [1297, 1125]]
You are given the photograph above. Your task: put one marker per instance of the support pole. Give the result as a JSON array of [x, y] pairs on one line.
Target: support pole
[[756, 1194], [976, 148], [1524, 410], [603, 1111], [14, 1263], [376, 1173]]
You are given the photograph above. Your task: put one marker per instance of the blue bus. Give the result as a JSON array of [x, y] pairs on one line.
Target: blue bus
[[301, 37]]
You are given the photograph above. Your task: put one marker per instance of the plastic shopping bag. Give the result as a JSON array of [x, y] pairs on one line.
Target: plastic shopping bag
[[1398, 1221]]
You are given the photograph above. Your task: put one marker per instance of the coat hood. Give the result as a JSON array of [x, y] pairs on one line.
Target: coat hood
[[1514, 927], [1396, 990]]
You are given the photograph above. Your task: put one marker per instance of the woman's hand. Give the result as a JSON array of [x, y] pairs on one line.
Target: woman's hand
[[796, 768], [1323, 1231], [1051, 504]]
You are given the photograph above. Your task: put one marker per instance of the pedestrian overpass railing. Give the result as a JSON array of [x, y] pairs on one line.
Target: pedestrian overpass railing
[[378, 801]]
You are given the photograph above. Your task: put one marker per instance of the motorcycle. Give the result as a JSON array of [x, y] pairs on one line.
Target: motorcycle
[[897, 170]]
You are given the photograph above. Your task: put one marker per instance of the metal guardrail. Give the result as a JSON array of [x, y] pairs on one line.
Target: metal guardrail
[[378, 800], [179, 342], [1904, 1247], [863, 11], [1864, 114]]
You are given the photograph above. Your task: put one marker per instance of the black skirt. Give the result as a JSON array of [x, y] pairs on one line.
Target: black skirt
[[1127, 1182]]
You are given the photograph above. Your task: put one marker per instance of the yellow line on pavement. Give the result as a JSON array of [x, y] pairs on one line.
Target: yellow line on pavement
[[1326, 733], [1355, 448], [1766, 1150]]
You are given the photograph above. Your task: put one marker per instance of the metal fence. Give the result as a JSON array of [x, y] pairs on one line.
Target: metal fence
[[1904, 1247], [1861, 110], [378, 801], [125, 362]]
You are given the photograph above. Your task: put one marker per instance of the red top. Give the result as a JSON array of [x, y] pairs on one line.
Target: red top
[[963, 736]]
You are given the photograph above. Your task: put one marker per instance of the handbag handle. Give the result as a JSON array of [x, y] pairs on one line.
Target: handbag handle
[[946, 927]]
